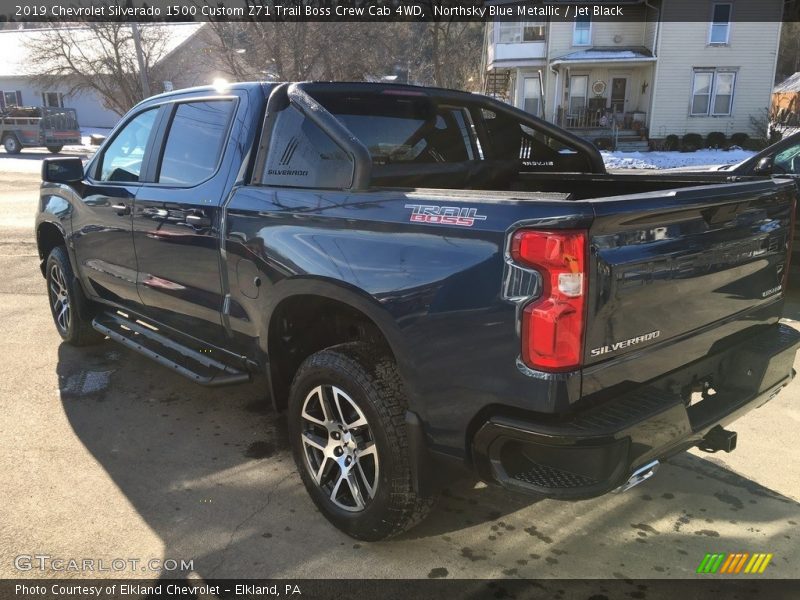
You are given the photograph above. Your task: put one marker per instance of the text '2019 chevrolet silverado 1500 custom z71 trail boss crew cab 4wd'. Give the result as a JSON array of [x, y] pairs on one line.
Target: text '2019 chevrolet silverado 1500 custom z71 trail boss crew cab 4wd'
[[424, 297]]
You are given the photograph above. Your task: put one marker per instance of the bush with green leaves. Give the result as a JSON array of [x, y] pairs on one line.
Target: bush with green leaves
[[691, 142], [716, 139], [740, 139], [672, 142]]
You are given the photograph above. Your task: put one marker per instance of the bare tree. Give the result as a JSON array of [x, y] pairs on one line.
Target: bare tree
[[297, 51], [789, 55], [449, 53], [98, 57], [446, 53]]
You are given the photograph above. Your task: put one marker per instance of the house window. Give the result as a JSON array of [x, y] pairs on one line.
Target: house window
[[582, 34], [720, 24], [578, 90], [532, 95], [712, 93], [514, 32], [52, 99], [11, 99], [533, 31]]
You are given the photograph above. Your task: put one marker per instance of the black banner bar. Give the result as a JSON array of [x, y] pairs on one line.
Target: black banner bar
[[386, 10], [732, 587]]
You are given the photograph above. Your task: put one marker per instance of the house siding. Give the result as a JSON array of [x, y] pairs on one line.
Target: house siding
[[752, 51], [631, 32], [87, 105]]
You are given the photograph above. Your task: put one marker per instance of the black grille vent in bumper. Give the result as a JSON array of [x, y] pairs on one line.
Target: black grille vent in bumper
[[544, 476]]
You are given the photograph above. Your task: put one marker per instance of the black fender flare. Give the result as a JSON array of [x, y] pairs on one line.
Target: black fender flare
[[355, 298]]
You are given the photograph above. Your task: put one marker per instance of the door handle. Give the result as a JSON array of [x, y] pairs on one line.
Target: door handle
[[121, 208], [198, 221], [159, 213]]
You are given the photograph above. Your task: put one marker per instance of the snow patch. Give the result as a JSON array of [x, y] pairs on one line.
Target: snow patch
[[702, 159]]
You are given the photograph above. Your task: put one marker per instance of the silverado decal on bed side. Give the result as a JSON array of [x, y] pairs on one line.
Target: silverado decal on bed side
[[626, 343], [444, 215]]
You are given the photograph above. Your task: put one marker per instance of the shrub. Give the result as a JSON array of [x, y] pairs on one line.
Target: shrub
[[716, 139], [672, 142], [603, 143], [691, 142], [740, 139], [755, 144]]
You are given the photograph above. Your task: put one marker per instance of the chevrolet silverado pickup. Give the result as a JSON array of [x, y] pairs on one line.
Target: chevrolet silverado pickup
[[434, 284]]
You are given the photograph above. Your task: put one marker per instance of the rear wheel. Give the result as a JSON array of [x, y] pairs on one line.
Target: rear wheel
[[54, 149], [71, 310], [348, 433], [12, 145]]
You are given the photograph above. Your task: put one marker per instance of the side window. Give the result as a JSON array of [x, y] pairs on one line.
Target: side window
[[195, 141], [122, 160], [300, 154], [788, 161]]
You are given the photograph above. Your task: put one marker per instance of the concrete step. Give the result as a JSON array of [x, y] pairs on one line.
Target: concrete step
[[640, 146]]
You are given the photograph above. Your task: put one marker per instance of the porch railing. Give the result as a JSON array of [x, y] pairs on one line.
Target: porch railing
[[601, 119]]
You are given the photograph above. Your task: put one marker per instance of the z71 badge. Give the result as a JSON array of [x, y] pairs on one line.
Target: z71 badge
[[444, 215]]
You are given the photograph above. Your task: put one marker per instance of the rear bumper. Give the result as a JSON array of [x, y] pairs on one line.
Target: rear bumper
[[596, 448]]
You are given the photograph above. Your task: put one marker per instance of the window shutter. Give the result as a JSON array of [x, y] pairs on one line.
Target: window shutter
[[2, 100], [60, 100], [19, 98]]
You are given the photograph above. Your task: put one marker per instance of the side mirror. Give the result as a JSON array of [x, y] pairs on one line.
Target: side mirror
[[68, 169], [764, 166]]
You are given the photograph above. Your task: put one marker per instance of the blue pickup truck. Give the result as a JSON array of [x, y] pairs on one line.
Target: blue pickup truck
[[435, 284]]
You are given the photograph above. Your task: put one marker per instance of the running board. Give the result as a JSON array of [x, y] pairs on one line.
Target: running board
[[193, 364]]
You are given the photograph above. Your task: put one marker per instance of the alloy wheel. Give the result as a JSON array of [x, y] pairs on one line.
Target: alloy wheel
[[339, 448], [59, 298]]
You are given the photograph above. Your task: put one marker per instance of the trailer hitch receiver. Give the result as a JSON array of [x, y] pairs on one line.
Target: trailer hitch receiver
[[718, 439]]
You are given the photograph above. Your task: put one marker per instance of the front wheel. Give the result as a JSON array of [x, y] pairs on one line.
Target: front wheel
[[348, 434], [71, 310], [12, 145], [54, 149]]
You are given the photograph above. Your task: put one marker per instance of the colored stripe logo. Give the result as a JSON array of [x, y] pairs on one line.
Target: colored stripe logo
[[735, 563]]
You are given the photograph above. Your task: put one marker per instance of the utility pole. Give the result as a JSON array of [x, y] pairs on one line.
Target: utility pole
[[137, 43]]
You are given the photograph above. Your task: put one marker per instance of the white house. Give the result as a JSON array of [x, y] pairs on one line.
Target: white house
[[18, 86], [668, 67]]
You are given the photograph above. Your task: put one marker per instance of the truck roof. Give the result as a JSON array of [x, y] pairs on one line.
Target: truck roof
[[267, 86]]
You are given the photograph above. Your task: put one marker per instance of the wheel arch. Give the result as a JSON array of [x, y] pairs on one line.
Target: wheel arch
[[48, 236], [310, 314]]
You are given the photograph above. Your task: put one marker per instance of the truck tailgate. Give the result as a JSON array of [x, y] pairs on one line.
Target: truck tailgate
[[666, 264]]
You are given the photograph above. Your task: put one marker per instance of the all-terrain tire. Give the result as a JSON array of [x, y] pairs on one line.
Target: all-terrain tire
[[370, 381], [72, 311]]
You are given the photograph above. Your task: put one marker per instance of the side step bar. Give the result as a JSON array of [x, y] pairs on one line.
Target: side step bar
[[192, 364]]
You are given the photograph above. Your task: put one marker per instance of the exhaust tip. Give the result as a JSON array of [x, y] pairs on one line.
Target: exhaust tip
[[640, 475]]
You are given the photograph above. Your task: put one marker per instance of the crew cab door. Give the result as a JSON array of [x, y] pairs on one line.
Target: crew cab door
[[102, 221], [177, 218]]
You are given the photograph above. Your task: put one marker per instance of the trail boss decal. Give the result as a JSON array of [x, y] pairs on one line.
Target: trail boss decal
[[444, 215], [626, 343]]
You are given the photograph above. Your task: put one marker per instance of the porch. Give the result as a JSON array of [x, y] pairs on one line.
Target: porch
[[605, 94]]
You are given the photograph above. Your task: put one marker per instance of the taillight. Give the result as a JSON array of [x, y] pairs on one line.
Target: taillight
[[553, 324]]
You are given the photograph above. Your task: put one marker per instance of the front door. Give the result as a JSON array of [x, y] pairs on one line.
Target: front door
[[619, 94], [101, 223], [177, 219]]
